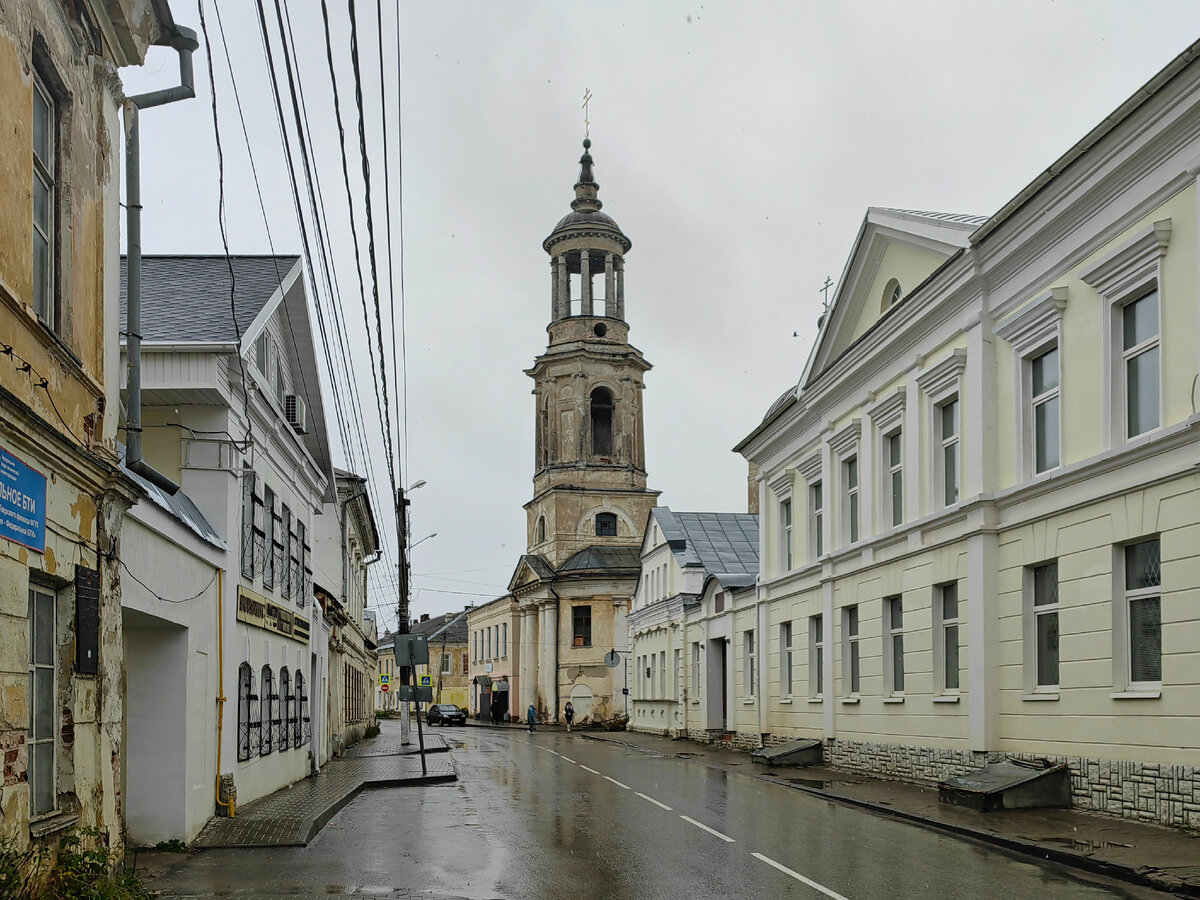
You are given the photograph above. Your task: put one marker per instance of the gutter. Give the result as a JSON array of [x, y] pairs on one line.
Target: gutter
[[183, 40]]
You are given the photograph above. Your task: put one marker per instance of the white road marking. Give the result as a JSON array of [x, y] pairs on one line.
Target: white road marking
[[617, 783], [812, 884], [565, 759], [652, 800], [586, 769], [712, 831]]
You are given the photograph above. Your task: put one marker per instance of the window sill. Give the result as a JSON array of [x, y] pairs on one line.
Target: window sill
[[893, 699], [946, 698], [785, 701], [1151, 694], [816, 699], [850, 701], [52, 823], [1043, 697], [749, 702]]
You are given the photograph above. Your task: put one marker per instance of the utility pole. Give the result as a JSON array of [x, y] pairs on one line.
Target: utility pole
[[402, 619]]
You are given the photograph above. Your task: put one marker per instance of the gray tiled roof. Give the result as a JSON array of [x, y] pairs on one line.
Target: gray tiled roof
[[720, 543], [452, 624], [597, 557], [186, 298]]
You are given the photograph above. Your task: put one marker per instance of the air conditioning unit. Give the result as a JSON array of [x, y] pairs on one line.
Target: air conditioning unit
[[296, 412]]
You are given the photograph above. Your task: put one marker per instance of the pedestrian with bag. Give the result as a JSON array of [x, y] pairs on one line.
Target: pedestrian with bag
[[531, 716], [569, 713]]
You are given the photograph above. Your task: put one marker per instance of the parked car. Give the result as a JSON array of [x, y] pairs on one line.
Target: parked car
[[445, 714]]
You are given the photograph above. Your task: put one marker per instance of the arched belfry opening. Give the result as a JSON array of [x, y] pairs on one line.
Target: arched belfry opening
[[602, 422]]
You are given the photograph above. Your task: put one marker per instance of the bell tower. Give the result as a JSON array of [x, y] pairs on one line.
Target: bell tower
[[589, 485]]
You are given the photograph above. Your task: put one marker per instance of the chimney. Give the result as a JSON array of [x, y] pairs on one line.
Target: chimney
[[752, 489], [424, 617]]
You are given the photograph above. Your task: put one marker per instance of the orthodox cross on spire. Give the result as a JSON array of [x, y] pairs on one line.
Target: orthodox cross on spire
[[587, 98], [825, 290]]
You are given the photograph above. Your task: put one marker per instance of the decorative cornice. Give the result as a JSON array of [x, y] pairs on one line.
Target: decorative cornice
[[1125, 267], [810, 469], [1033, 325], [847, 438], [781, 485], [942, 376], [890, 410]]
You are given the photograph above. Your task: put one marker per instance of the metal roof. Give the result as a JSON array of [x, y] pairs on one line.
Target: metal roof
[[952, 218], [597, 557], [186, 298], [724, 543], [179, 506]]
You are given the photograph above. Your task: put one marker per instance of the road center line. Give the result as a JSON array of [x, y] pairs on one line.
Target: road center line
[[586, 769], [617, 783], [565, 759], [712, 831], [812, 884], [652, 800]]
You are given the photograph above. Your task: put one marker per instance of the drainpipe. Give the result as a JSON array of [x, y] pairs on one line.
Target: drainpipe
[[228, 804], [759, 659], [185, 43]]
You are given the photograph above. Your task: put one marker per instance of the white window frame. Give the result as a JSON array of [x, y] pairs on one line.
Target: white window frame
[[844, 445], [1121, 277], [662, 673], [1123, 681], [749, 657], [40, 594], [851, 651], [446, 660], [942, 625], [785, 526], [503, 640], [887, 416], [816, 656], [676, 662], [948, 446], [786, 675], [940, 385], [1033, 331], [893, 644], [696, 656], [1032, 613], [814, 515], [45, 171], [1152, 344], [781, 487]]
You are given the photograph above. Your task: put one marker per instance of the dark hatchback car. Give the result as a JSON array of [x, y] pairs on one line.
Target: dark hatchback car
[[445, 714]]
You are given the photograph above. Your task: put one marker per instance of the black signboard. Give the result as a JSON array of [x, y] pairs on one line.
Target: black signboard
[[87, 620]]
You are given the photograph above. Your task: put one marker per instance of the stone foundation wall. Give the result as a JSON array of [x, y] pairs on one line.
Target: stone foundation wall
[[1148, 792]]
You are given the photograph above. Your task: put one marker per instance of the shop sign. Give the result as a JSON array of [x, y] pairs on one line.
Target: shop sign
[[22, 503], [255, 609]]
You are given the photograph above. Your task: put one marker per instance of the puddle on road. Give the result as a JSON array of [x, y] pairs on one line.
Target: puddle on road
[[815, 783], [1086, 846]]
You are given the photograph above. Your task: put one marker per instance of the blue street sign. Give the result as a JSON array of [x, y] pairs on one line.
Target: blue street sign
[[22, 503]]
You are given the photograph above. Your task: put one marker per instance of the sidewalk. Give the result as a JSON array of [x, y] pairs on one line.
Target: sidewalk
[[1167, 859], [292, 816]]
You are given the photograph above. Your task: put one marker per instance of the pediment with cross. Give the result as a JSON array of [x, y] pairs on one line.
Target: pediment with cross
[[895, 250]]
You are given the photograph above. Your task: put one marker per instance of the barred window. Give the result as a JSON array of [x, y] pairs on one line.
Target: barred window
[[268, 706], [284, 735], [245, 698], [286, 556], [303, 725]]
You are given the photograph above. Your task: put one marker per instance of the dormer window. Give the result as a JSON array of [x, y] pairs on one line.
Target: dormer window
[[602, 416], [606, 524]]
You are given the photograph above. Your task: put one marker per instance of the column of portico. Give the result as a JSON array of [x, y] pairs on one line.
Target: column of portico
[[547, 650], [620, 278], [529, 658]]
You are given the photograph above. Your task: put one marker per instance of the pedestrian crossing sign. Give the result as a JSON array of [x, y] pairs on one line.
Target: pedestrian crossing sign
[[424, 681], [384, 679]]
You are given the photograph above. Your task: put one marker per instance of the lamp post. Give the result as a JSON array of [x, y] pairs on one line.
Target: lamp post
[[402, 615]]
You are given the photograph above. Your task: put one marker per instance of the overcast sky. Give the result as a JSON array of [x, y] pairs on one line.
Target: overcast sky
[[738, 145]]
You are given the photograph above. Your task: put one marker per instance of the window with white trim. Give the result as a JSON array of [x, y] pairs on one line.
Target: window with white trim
[[948, 468], [447, 659], [816, 656], [785, 523], [503, 639], [262, 354], [1044, 611], [893, 645], [893, 488], [45, 204], [695, 670], [43, 704], [946, 636], [662, 673], [785, 660], [1044, 388], [850, 485], [1140, 359], [850, 651], [748, 657], [816, 513], [675, 664], [1141, 613]]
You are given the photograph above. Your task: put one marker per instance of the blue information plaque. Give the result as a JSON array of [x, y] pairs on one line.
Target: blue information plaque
[[22, 503]]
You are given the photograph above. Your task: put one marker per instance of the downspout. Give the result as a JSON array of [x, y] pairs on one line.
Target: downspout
[[761, 657], [229, 805], [185, 43]]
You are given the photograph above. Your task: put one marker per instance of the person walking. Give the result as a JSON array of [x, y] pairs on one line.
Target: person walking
[[531, 716], [569, 713]]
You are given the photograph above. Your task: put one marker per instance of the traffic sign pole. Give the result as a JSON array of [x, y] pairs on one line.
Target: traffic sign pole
[[412, 670]]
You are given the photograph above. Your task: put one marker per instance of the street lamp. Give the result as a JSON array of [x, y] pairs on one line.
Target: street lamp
[[423, 540]]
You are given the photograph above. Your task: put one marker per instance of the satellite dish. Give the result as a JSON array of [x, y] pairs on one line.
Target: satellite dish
[[612, 659]]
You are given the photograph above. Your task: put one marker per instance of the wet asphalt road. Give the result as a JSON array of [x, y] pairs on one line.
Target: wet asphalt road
[[554, 815]]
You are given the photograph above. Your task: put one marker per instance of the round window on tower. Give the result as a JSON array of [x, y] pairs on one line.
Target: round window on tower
[[600, 329]]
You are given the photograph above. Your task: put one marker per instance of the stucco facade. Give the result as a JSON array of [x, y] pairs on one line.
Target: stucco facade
[[494, 655], [980, 504]]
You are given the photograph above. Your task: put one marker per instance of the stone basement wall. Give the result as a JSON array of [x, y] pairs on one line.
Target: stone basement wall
[[1146, 792]]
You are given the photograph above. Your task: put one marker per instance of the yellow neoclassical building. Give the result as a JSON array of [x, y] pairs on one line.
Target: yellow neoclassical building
[[980, 505]]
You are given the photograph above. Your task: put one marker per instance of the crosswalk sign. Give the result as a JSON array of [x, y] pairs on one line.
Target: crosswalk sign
[[424, 681], [384, 679]]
